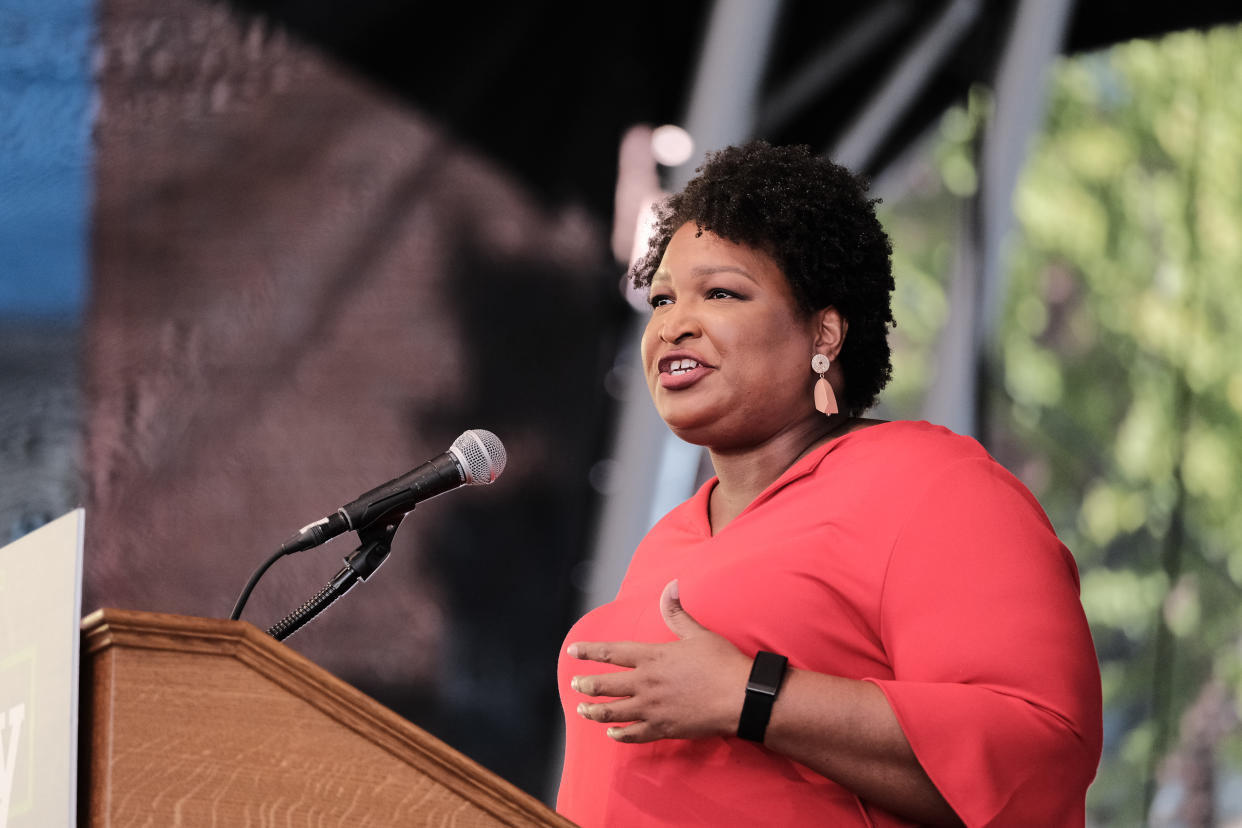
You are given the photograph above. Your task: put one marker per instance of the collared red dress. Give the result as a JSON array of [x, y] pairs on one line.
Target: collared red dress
[[900, 554]]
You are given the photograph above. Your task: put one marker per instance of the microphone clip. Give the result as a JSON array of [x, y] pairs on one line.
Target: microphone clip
[[375, 544]]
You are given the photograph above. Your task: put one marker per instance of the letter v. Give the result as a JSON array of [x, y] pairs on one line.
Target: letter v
[[8, 757]]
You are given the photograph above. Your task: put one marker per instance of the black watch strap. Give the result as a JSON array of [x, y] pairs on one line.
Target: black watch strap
[[766, 675]]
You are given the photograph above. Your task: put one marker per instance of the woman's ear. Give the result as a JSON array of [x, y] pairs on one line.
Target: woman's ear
[[830, 329]]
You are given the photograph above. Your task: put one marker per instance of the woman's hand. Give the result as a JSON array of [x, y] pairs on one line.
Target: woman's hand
[[694, 687], [686, 689]]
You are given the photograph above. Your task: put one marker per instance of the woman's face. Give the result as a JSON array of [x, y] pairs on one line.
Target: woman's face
[[726, 352]]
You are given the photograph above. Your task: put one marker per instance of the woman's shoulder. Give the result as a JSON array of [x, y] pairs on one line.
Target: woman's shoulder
[[918, 457], [916, 443], [913, 470], [904, 458]]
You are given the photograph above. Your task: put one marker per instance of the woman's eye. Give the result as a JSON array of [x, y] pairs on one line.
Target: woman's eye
[[659, 300], [720, 293]]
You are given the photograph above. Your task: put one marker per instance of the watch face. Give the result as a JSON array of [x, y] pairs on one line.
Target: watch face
[[766, 673]]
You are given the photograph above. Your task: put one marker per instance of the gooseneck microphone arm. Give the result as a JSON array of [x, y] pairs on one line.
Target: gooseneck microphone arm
[[373, 551], [476, 457]]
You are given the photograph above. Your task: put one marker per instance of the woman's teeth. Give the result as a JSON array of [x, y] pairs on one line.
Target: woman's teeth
[[681, 366]]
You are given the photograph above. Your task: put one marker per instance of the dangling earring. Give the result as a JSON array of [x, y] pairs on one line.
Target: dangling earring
[[825, 399]]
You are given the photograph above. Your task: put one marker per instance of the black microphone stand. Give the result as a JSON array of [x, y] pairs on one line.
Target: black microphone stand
[[376, 543]]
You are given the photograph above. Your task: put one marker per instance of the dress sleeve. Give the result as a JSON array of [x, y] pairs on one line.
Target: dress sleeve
[[996, 684]]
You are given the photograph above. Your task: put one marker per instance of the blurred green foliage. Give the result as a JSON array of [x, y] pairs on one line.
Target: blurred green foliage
[[1116, 388]]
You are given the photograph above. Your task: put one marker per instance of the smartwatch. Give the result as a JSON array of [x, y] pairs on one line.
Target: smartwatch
[[764, 683]]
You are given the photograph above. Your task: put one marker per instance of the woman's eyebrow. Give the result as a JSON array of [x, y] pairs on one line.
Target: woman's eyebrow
[[663, 275], [708, 270]]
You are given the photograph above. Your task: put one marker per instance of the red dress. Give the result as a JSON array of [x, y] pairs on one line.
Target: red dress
[[900, 554]]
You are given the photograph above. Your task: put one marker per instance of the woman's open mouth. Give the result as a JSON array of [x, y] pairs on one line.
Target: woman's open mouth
[[681, 373]]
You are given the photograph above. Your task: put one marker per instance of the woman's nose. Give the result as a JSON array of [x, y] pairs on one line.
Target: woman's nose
[[679, 322]]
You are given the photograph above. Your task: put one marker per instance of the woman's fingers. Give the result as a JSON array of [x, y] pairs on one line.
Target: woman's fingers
[[620, 653], [621, 711], [626, 725], [605, 684], [634, 733]]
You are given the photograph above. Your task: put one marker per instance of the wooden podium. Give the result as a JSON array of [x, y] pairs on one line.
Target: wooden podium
[[200, 722]]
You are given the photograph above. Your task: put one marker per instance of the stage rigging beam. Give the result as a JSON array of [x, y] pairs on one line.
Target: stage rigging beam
[[813, 80], [858, 145], [976, 292]]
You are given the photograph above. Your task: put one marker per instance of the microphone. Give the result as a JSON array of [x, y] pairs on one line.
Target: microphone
[[477, 456]]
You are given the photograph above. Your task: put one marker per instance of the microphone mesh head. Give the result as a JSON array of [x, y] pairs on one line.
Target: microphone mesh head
[[481, 454]]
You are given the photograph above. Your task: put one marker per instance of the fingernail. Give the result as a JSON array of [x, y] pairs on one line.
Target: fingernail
[[582, 709], [572, 650], [613, 732], [573, 682], [674, 591]]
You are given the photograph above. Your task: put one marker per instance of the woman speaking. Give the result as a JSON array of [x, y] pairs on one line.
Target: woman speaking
[[855, 622]]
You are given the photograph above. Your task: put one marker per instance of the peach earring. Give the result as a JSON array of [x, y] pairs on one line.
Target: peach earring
[[825, 399]]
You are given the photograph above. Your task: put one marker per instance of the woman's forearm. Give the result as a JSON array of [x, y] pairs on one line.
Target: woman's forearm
[[846, 731]]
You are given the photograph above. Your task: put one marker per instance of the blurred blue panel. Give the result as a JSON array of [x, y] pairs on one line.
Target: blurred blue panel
[[46, 95]]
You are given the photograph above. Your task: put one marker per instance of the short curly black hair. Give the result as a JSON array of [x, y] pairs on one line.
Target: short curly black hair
[[813, 217]]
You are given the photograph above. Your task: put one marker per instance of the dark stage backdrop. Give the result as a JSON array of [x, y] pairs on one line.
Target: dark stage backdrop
[[302, 287]]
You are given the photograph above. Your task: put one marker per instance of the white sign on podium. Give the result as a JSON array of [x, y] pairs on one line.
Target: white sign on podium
[[40, 612]]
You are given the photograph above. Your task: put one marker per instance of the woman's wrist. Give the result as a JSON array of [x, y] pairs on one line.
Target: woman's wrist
[[767, 673]]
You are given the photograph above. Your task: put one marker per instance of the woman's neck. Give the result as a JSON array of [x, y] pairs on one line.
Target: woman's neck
[[743, 474]]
